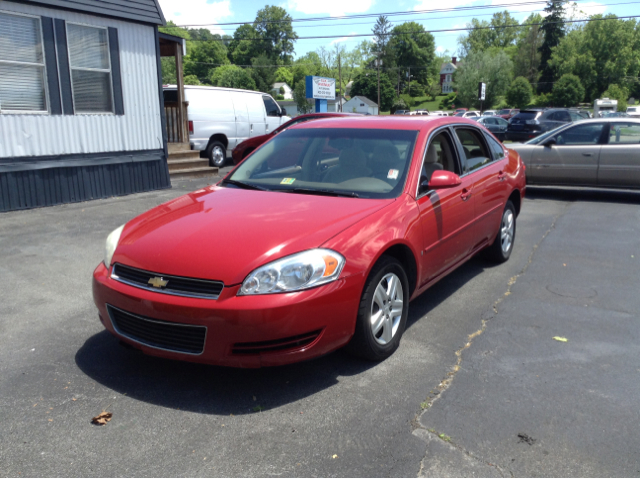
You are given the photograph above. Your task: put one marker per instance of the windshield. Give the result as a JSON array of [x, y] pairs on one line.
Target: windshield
[[504, 112], [539, 139], [350, 162]]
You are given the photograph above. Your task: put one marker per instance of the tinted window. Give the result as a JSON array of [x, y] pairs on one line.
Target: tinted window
[[474, 149], [496, 148], [271, 106], [530, 115], [170, 96], [624, 133], [586, 134], [440, 155], [563, 116]]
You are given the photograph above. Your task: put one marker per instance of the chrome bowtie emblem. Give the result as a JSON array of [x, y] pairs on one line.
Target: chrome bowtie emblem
[[158, 282]]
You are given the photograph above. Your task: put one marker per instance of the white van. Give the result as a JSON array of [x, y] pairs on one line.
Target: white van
[[604, 105], [222, 118]]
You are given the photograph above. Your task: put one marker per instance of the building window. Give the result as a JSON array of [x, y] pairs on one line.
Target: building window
[[90, 69], [22, 72]]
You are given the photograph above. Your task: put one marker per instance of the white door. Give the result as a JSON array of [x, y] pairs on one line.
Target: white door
[[273, 113], [243, 128], [257, 114]]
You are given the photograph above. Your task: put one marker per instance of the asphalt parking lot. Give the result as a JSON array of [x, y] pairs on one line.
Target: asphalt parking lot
[[478, 387]]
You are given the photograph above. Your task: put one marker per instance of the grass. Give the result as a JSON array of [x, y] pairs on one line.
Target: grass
[[422, 103]]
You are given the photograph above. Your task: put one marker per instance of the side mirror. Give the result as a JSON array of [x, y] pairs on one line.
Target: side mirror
[[443, 179], [283, 112], [549, 143]]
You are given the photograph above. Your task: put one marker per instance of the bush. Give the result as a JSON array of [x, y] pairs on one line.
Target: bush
[[279, 97], [448, 101], [414, 89], [568, 91], [519, 93], [191, 80], [615, 92], [543, 99], [232, 76], [398, 104]]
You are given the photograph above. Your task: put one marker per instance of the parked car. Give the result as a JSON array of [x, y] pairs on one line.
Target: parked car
[[495, 124], [243, 150], [468, 114], [615, 114], [507, 113], [489, 112], [530, 123], [438, 113], [633, 111], [598, 152], [400, 112], [458, 110], [294, 255], [222, 118], [422, 112]]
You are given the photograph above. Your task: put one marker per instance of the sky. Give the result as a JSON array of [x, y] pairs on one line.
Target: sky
[[214, 12]]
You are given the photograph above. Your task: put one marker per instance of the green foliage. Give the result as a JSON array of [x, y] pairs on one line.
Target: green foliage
[[449, 100], [398, 104], [366, 84], [415, 89], [244, 45], [526, 60], [411, 45], [192, 80], [554, 30], [519, 93], [263, 73], [204, 57], [503, 34], [542, 100], [299, 96], [273, 26], [407, 99], [568, 91], [493, 68], [232, 76], [285, 75], [615, 92], [382, 40], [279, 97]]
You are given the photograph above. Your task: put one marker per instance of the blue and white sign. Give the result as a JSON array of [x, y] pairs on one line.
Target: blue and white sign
[[321, 88]]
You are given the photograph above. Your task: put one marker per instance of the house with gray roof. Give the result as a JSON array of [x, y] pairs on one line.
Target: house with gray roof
[[361, 104]]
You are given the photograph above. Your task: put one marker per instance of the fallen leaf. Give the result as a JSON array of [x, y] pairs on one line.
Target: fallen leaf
[[73, 399], [50, 420], [335, 456], [560, 338], [564, 264], [102, 418]]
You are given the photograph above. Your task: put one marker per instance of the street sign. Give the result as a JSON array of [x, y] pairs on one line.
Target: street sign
[[482, 89], [321, 88]]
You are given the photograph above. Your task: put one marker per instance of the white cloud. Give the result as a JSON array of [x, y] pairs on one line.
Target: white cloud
[[438, 4], [197, 12], [334, 8], [342, 39], [440, 49], [583, 10]]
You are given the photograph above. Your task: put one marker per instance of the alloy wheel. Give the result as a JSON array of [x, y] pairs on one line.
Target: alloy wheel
[[386, 308]]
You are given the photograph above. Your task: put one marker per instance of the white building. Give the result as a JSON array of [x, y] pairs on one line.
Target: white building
[[81, 107], [292, 107], [275, 90], [446, 75], [361, 104]]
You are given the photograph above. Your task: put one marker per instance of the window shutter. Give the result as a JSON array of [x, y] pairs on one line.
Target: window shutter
[[52, 65], [114, 52], [63, 66]]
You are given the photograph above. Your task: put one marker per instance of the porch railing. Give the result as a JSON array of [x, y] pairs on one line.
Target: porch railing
[[177, 122]]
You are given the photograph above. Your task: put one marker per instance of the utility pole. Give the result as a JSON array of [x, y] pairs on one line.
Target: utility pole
[[409, 81], [378, 63], [340, 79]]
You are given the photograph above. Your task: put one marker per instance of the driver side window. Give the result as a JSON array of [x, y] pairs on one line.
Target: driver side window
[[440, 155]]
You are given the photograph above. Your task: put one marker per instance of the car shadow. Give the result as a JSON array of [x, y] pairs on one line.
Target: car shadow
[[560, 193]]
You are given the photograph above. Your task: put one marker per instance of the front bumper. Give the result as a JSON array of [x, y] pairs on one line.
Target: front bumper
[[331, 309]]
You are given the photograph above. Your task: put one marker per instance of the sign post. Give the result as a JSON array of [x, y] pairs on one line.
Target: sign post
[[482, 90], [320, 89]]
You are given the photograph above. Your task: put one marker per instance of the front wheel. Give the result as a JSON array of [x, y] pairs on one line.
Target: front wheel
[[500, 250], [217, 154], [382, 316]]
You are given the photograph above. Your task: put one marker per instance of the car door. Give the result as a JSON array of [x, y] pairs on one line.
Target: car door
[[572, 159], [273, 113], [257, 114], [446, 214], [243, 130], [620, 156], [487, 171]]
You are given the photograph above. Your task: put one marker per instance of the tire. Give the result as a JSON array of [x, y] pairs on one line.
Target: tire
[[377, 341], [501, 249], [217, 154]]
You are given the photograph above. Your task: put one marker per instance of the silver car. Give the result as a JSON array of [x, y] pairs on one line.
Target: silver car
[[598, 152]]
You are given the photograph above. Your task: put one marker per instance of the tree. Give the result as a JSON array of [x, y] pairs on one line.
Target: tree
[[232, 76], [398, 104], [366, 84], [192, 80], [616, 92], [412, 46], [520, 93], [500, 33], [553, 28], [300, 97], [491, 67], [203, 57], [263, 73], [284, 75], [568, 91], [244, 46], [381, 37], [526, 61], [273, 26]]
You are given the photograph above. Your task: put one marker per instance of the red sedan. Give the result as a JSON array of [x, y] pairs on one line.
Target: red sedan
[[289, 258], [507, 113], [241, 151]]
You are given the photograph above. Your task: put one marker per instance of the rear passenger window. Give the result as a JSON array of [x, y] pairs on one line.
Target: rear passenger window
[[624, 133], [474, 148], [496, 148]]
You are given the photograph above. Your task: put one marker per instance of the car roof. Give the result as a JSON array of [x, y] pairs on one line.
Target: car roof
[[416, 122]]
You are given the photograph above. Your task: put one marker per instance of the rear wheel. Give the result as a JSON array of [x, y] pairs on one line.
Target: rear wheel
[[500, 250], [217, 154], [382, 316]]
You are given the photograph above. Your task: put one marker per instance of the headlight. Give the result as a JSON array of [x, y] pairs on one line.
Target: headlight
[[110, 247], [294, 273]]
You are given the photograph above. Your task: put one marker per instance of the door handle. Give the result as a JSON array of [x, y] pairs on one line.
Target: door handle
[[587, 154], [466, 194]]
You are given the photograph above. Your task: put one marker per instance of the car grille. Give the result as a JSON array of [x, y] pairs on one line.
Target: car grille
[[176, 285], [276, 345], [182, 338]]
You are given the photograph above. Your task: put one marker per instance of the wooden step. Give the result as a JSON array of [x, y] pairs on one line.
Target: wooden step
[[194, 172], [183, 155], [174, 147], [187, 163]]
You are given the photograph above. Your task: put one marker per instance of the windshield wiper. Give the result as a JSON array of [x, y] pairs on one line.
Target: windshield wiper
[[246, 186], [311, 191]]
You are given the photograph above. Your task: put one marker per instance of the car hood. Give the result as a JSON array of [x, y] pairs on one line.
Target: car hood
[[224, 233]]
